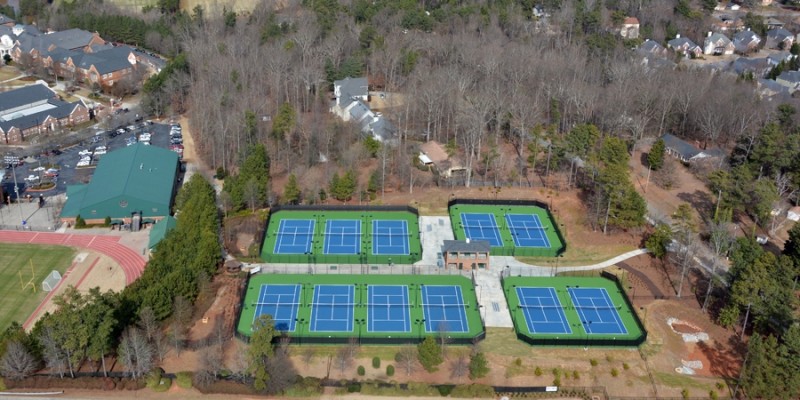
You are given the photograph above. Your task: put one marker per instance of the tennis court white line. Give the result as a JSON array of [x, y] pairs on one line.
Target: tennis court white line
[[342, 231], [459, 297], [525, 227], [494, 228], [617, 321], [402, 235], [530, 322]]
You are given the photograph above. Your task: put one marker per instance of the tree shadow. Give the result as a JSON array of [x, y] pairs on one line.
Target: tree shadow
[[643, 158], [700, 201], [724, 360]]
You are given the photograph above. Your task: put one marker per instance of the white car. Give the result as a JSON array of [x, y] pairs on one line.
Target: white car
[[83, 163], [99, 152], [84, 153], [32, 178], [144, 137], [37, 169]]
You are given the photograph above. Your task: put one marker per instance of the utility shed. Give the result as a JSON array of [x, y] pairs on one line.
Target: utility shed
[[135, 181], [159, 231]]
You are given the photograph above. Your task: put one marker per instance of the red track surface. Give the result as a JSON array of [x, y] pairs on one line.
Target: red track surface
[[132, 264]]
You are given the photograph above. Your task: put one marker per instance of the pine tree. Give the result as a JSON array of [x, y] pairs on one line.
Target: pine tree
[[430, 354], [655, 158], [291, 193], [478, 367]]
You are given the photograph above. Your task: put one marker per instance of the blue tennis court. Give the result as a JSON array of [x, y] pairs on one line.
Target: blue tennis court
[[332, 308], [294, 236], [390, 237], [342, 236], [281, 302], [481, 227], [527, 230], [388, 308], [598, 314], [443, 307], [542, 310]]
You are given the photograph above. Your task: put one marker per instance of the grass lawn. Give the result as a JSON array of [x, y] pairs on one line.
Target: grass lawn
[[17, 304], [9, 72], [579, 254]]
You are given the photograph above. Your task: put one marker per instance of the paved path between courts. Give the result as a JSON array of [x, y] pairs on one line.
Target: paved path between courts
[[494, 307]]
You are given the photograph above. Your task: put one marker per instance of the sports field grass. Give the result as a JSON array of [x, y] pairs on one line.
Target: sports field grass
[[317, 253], [499, 211], [18, 304], [303, 332], [576, 317]]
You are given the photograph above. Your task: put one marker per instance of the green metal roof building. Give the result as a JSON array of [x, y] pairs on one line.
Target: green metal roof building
[[160, 230], [135, 179]]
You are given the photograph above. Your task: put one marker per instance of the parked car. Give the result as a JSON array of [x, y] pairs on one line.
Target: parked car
[[32, 178], [37, 169], [84, 153]]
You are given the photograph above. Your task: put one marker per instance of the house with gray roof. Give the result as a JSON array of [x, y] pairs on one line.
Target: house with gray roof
[[350, 104], [684, 46], [652, 47], [35, 109], [466, 254], [6, 21], [717, 44], [746, 42], [40, 45], [687, 152], [789, 79], [759, 67], [779, 39]]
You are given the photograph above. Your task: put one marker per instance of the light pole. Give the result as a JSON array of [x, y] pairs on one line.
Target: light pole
[[16, 191]]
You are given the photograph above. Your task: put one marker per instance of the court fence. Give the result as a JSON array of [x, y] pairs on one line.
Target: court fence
[[359, 269], [363, 258], [516, 251], [355, 269], [586, 341]]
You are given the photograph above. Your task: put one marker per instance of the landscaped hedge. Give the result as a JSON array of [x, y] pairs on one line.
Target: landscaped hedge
[[49, 382]]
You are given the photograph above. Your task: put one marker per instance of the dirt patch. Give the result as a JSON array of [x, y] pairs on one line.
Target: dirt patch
[[216, 321], [684, 327]]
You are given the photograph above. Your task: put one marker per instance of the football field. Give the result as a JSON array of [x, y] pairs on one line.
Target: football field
[[16, 260]]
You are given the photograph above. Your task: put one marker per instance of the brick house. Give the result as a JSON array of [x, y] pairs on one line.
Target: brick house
[[466, 254], [34, 110]]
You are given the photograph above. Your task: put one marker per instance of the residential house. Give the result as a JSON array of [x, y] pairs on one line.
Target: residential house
[[6, 21], [447, 167], [466, 254], [767, 88], [779, 39], [630, 28], [684, 46], [780, 56], [717, 44], [652, 47], [687, 152], [746, 42], [773, 23], [35, 109], [789, 79], [726, 23], [759, 67], [351, 97]]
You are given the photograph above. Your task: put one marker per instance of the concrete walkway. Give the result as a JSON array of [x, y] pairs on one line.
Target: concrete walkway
[[494, 307]]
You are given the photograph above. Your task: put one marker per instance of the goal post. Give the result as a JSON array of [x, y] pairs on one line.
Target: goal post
[[51, 281]]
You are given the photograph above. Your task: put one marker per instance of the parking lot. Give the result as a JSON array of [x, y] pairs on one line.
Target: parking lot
[[66, 160]]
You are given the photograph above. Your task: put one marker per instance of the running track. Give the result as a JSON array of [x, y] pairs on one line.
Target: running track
[[131, 262]]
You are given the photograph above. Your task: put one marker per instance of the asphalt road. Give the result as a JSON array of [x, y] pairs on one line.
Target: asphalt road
[[69, 157]]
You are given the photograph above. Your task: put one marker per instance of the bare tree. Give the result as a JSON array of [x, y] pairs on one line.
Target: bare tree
[[210, 363], [345, 355], [148, 322], [17, 362], [459, 367], [308, 355], [407, 358], [136, 352], [55, 359]]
